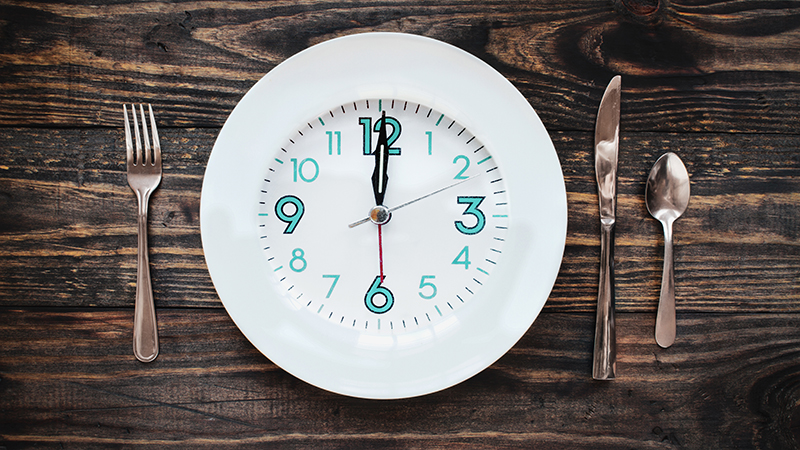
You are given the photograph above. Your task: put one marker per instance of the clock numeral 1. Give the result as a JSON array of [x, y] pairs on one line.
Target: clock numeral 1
[[430, 141], [378, 299]]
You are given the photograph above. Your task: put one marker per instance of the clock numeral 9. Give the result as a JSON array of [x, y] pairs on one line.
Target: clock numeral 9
[[375, 304], [472, 209], [295, 212]]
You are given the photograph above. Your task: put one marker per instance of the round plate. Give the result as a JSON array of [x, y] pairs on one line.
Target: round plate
[[417, 69]]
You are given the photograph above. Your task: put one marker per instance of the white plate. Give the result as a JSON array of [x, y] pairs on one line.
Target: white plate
[[418, 69]]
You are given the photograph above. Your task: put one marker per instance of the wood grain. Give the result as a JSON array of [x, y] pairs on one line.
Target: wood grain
[[686, 66], [72, 217], [68, 378]]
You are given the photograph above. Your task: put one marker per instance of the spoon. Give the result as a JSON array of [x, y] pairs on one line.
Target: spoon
[[667, 196]]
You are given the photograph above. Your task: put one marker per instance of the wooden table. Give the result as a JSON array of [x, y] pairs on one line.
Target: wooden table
[[717, 83]]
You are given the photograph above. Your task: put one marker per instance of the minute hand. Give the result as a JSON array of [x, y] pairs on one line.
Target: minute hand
[[403, 205], [379, 175]]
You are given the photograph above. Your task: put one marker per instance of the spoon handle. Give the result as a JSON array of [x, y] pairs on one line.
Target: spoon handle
[[604, 361], [665, 319]]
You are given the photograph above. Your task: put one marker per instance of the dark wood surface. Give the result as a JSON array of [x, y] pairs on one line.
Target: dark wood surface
[[716, 82]]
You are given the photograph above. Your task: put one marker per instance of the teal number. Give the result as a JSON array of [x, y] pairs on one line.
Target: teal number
[[460, 175], [293, 218], [378, 306], [333, 285], [472, 209], [300, 172], [367, 129], [424, 283], [430, 141], [463, 258], [338, 135], [298, 255]]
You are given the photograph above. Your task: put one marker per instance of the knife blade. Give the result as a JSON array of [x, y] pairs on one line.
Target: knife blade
[[606, 148]]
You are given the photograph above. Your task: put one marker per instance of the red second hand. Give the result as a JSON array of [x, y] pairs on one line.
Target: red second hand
[[380, 249]]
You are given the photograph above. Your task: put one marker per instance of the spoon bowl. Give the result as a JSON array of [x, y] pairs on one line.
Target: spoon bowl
[[667, 196]]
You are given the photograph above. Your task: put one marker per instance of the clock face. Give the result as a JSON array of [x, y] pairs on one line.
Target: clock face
[[383, 230], [430, 246]]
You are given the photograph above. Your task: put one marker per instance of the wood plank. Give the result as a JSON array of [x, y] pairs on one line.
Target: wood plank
[[68, 378], [69, 213], [687, 66]]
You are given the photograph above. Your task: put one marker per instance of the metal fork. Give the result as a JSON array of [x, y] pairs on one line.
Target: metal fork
[[144, 174]]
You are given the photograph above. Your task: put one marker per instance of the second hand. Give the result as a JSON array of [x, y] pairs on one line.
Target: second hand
[[380, 250]]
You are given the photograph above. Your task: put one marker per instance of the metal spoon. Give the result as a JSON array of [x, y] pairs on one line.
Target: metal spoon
[[667, 196]]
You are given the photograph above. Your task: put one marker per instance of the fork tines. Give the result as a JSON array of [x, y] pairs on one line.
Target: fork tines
[[139, 158]]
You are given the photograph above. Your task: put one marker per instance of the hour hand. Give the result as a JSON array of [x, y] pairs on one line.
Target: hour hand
[[379, 175]]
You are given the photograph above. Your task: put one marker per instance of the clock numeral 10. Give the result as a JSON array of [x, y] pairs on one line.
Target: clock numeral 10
[[300, 171]]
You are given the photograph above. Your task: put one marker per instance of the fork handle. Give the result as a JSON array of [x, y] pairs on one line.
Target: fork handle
[[145, 332]]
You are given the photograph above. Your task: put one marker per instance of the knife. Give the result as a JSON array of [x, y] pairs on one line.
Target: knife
[[606, 146]]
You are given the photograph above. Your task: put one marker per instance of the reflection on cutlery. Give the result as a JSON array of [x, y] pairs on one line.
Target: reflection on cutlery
[[606, 146], [144, 174], [667, 196]]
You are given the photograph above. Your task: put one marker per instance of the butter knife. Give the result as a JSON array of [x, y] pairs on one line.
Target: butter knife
[[606, 146]]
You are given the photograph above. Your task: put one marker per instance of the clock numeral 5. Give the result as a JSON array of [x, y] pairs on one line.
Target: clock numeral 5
[[472, 209], [424, 283], [378, 299]]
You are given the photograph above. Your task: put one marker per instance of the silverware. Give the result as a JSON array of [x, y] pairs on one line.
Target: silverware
[[667, 196], [144, 174], [606, 146]]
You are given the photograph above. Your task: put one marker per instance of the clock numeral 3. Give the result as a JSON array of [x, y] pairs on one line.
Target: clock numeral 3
[[472, 209]]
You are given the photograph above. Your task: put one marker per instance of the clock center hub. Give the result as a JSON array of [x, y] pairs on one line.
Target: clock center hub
[[380, 214]]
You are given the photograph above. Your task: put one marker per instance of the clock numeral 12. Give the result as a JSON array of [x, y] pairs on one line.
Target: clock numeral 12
[[368, 129]]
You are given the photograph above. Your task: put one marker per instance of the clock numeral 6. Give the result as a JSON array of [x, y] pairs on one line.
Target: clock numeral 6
[[472, 209], [378, 299], [292, 218]]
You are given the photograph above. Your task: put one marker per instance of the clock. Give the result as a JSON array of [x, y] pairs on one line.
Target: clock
[[383, 215]]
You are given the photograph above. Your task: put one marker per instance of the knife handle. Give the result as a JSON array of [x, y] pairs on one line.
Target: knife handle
[[604, 364]]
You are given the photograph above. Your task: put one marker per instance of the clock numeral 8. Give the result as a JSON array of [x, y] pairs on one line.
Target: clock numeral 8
[[293, 218]]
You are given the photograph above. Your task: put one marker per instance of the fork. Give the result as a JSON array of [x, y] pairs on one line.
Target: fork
[[144, 174]]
